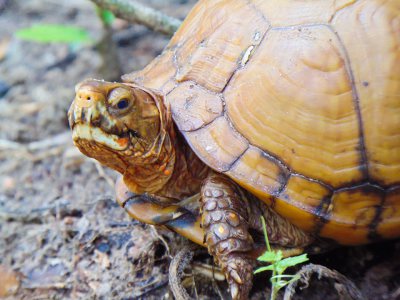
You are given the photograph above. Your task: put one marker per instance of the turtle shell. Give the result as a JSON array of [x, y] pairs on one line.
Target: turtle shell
[[298, 102]]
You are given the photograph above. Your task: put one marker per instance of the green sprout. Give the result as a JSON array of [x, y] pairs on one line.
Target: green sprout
[[106, 16], [54, 33], [278, 265]]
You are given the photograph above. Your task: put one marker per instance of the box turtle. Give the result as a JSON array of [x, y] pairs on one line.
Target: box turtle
[[282, 109]]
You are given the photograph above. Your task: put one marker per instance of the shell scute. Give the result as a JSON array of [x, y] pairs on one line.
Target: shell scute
[[219, 43], [193, 107], [351, 214], [217, 144], [300, 112], [389, 225], [302, 201]]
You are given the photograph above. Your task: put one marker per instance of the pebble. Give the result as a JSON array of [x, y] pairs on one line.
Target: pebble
[[8, 183], [4, 88], [103, 247]]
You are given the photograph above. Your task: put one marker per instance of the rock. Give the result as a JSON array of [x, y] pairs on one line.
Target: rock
[[4, 88]]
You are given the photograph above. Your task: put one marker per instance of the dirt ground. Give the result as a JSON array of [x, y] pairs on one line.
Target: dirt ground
[[62, 236]]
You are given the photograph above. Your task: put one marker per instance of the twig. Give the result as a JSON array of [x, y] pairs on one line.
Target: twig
[[38, 150], [153, 288], [208, 271], [344, 286], [55, 285], [180, 261], [135, 12], [102, 174], [218, 290], [35, 215], [54, 141], [161, 238]]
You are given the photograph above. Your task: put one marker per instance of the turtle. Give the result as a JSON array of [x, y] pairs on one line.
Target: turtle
[[286, 110]]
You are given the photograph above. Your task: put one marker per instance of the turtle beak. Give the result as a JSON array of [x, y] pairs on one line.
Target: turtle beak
[[89, 103], [87, 96]]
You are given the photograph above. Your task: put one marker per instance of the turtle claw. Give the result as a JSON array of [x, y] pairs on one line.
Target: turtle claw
[[240, 291], [236, 276], [239, 273], [234, 291]]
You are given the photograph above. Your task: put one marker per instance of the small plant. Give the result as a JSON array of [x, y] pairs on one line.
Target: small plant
[[278, 265], [54, 33]]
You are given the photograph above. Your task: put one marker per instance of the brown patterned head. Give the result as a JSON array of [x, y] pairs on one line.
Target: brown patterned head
[[116, 123]]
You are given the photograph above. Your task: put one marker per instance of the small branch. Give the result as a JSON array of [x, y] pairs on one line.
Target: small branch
[[34, 216], [345, 287], [38, 150], [208, 271], [103, 174], [54, 141], [180, 261], [135, 12]]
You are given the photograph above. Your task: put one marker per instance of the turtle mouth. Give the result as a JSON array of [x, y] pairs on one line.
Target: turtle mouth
[[97, 128], [82, 131]]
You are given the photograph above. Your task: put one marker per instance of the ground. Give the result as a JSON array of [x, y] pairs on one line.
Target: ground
[[62, 236]]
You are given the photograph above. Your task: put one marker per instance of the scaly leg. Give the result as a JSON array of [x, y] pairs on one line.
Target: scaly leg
[[228, 212], [148, 210], [224, 219]]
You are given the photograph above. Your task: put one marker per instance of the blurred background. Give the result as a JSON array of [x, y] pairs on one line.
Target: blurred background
[[62, 236]]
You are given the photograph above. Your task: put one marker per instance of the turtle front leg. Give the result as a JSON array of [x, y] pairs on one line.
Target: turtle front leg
[[147, 209], [224, 218]]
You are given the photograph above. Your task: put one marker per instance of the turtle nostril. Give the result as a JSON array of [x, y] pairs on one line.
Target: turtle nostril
[[86, 97]]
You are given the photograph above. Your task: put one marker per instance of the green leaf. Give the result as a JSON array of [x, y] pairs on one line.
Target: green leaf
[[262, 269], [106, 15], [282, 265], [271, 256], [54, 33]]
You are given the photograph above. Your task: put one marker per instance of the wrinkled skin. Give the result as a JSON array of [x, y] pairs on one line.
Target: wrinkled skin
[[130, 129]]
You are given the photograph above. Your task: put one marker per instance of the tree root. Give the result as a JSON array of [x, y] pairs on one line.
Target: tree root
[[345, 287]]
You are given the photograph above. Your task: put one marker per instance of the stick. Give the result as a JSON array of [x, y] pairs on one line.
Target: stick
[[344, 286], [60, 139], [180, 261], [135, 12]]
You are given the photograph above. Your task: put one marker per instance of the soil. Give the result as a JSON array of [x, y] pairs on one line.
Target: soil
[[62, 236]]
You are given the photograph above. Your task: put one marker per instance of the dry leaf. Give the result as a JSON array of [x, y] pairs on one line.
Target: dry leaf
[[9, 281]]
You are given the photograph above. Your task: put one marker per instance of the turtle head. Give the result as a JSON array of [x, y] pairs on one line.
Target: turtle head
[[116, 123]]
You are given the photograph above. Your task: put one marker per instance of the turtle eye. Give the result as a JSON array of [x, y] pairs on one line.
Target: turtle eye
[[123, 103], [120, 100]]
